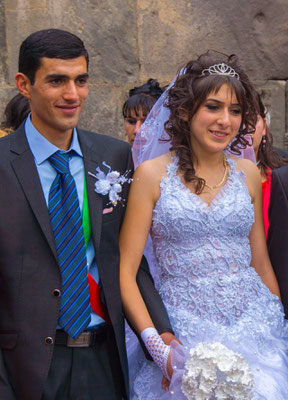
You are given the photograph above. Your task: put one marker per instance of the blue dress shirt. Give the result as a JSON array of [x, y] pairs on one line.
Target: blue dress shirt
[[42, 149]]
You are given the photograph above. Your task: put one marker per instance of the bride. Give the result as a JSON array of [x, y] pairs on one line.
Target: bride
[[202, 207]]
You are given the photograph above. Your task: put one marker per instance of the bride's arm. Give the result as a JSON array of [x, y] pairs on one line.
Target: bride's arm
[[260, 258], [133, 236], [144, 192]]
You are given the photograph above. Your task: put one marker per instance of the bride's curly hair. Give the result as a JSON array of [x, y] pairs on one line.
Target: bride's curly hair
[[189, 92]]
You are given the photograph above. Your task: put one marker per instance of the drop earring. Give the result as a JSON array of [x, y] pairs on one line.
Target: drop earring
[[264, 141]]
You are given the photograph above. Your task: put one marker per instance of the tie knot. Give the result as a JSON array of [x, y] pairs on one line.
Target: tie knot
[[60, 161]]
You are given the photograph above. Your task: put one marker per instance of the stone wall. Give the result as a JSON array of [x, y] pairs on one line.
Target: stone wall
[[130, 41]]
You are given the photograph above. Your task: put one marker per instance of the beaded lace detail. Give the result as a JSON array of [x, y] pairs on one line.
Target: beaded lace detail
[[206, 282], [204, 256]]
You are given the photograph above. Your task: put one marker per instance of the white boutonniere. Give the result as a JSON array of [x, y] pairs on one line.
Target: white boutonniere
[[110, 183]]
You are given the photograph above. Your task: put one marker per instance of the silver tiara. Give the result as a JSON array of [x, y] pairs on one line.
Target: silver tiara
[[220, 69]]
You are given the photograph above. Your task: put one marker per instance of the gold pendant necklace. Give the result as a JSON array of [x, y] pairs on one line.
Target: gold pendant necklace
[[222, 180]]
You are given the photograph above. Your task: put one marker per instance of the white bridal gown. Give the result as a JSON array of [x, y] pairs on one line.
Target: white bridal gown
[[211, 292]]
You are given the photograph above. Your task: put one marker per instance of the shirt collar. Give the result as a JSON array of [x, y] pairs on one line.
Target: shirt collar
[[41, 148]]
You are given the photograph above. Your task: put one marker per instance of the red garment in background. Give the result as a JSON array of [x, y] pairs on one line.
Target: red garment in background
[[266, 190]]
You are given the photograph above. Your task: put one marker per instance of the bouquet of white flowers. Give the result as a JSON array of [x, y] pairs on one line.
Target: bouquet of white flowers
[[212, 371]]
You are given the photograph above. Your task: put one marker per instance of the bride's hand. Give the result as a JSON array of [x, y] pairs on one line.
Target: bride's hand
[[166, 382], [159, 350], [167, 338]]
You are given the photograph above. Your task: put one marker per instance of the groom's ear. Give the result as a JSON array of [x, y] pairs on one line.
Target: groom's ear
[[23, 84]]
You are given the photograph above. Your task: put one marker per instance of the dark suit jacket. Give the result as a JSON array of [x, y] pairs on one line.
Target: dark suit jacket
[[283, 153], [277, 239], [28, 262]]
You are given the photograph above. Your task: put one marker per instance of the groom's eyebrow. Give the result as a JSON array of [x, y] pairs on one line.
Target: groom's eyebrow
[[64, 76]]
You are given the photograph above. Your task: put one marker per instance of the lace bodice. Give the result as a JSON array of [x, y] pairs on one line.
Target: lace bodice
[[204, 257]]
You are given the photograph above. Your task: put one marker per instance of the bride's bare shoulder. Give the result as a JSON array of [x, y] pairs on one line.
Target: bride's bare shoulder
[[148, 175], [247, 166], [155, 167], [252, 174]]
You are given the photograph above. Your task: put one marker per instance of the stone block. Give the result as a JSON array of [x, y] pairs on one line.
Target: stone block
[[102, 111], [273, 96], [101, 24], [16, 5], [109, 30], [20, 24], [173, 32], [3, 45]]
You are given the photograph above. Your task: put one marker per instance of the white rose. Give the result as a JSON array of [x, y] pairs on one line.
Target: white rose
[[113, 176], [117, 187], [102, 186]]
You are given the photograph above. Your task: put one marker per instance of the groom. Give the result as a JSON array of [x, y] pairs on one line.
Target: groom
[[277, 239], [61, 321]]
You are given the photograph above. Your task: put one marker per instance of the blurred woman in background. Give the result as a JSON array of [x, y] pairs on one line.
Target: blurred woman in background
[[16, 111], [138, 105], [267, 157]]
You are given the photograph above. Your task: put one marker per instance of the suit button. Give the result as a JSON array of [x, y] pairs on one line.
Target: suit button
[[48, 340], [56, 293]]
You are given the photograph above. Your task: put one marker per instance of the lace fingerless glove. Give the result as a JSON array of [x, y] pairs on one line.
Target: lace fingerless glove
[[158, 350]]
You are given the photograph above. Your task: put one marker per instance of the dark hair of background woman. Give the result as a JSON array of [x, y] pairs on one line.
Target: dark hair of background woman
[[142, 98], [268, 158], [15, 112]]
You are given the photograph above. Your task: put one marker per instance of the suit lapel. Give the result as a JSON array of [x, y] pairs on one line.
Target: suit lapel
[[25, 169], [92, 159]]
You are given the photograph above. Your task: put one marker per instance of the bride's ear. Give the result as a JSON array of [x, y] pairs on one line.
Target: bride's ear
[[183, 114]]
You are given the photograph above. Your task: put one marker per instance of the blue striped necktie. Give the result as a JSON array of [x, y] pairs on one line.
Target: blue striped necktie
[[66, 221]]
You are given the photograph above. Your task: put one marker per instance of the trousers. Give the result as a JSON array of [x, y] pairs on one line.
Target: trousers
[[85, 373]]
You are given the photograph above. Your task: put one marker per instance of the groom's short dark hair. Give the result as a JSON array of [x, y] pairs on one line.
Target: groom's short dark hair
[[50, 43]]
